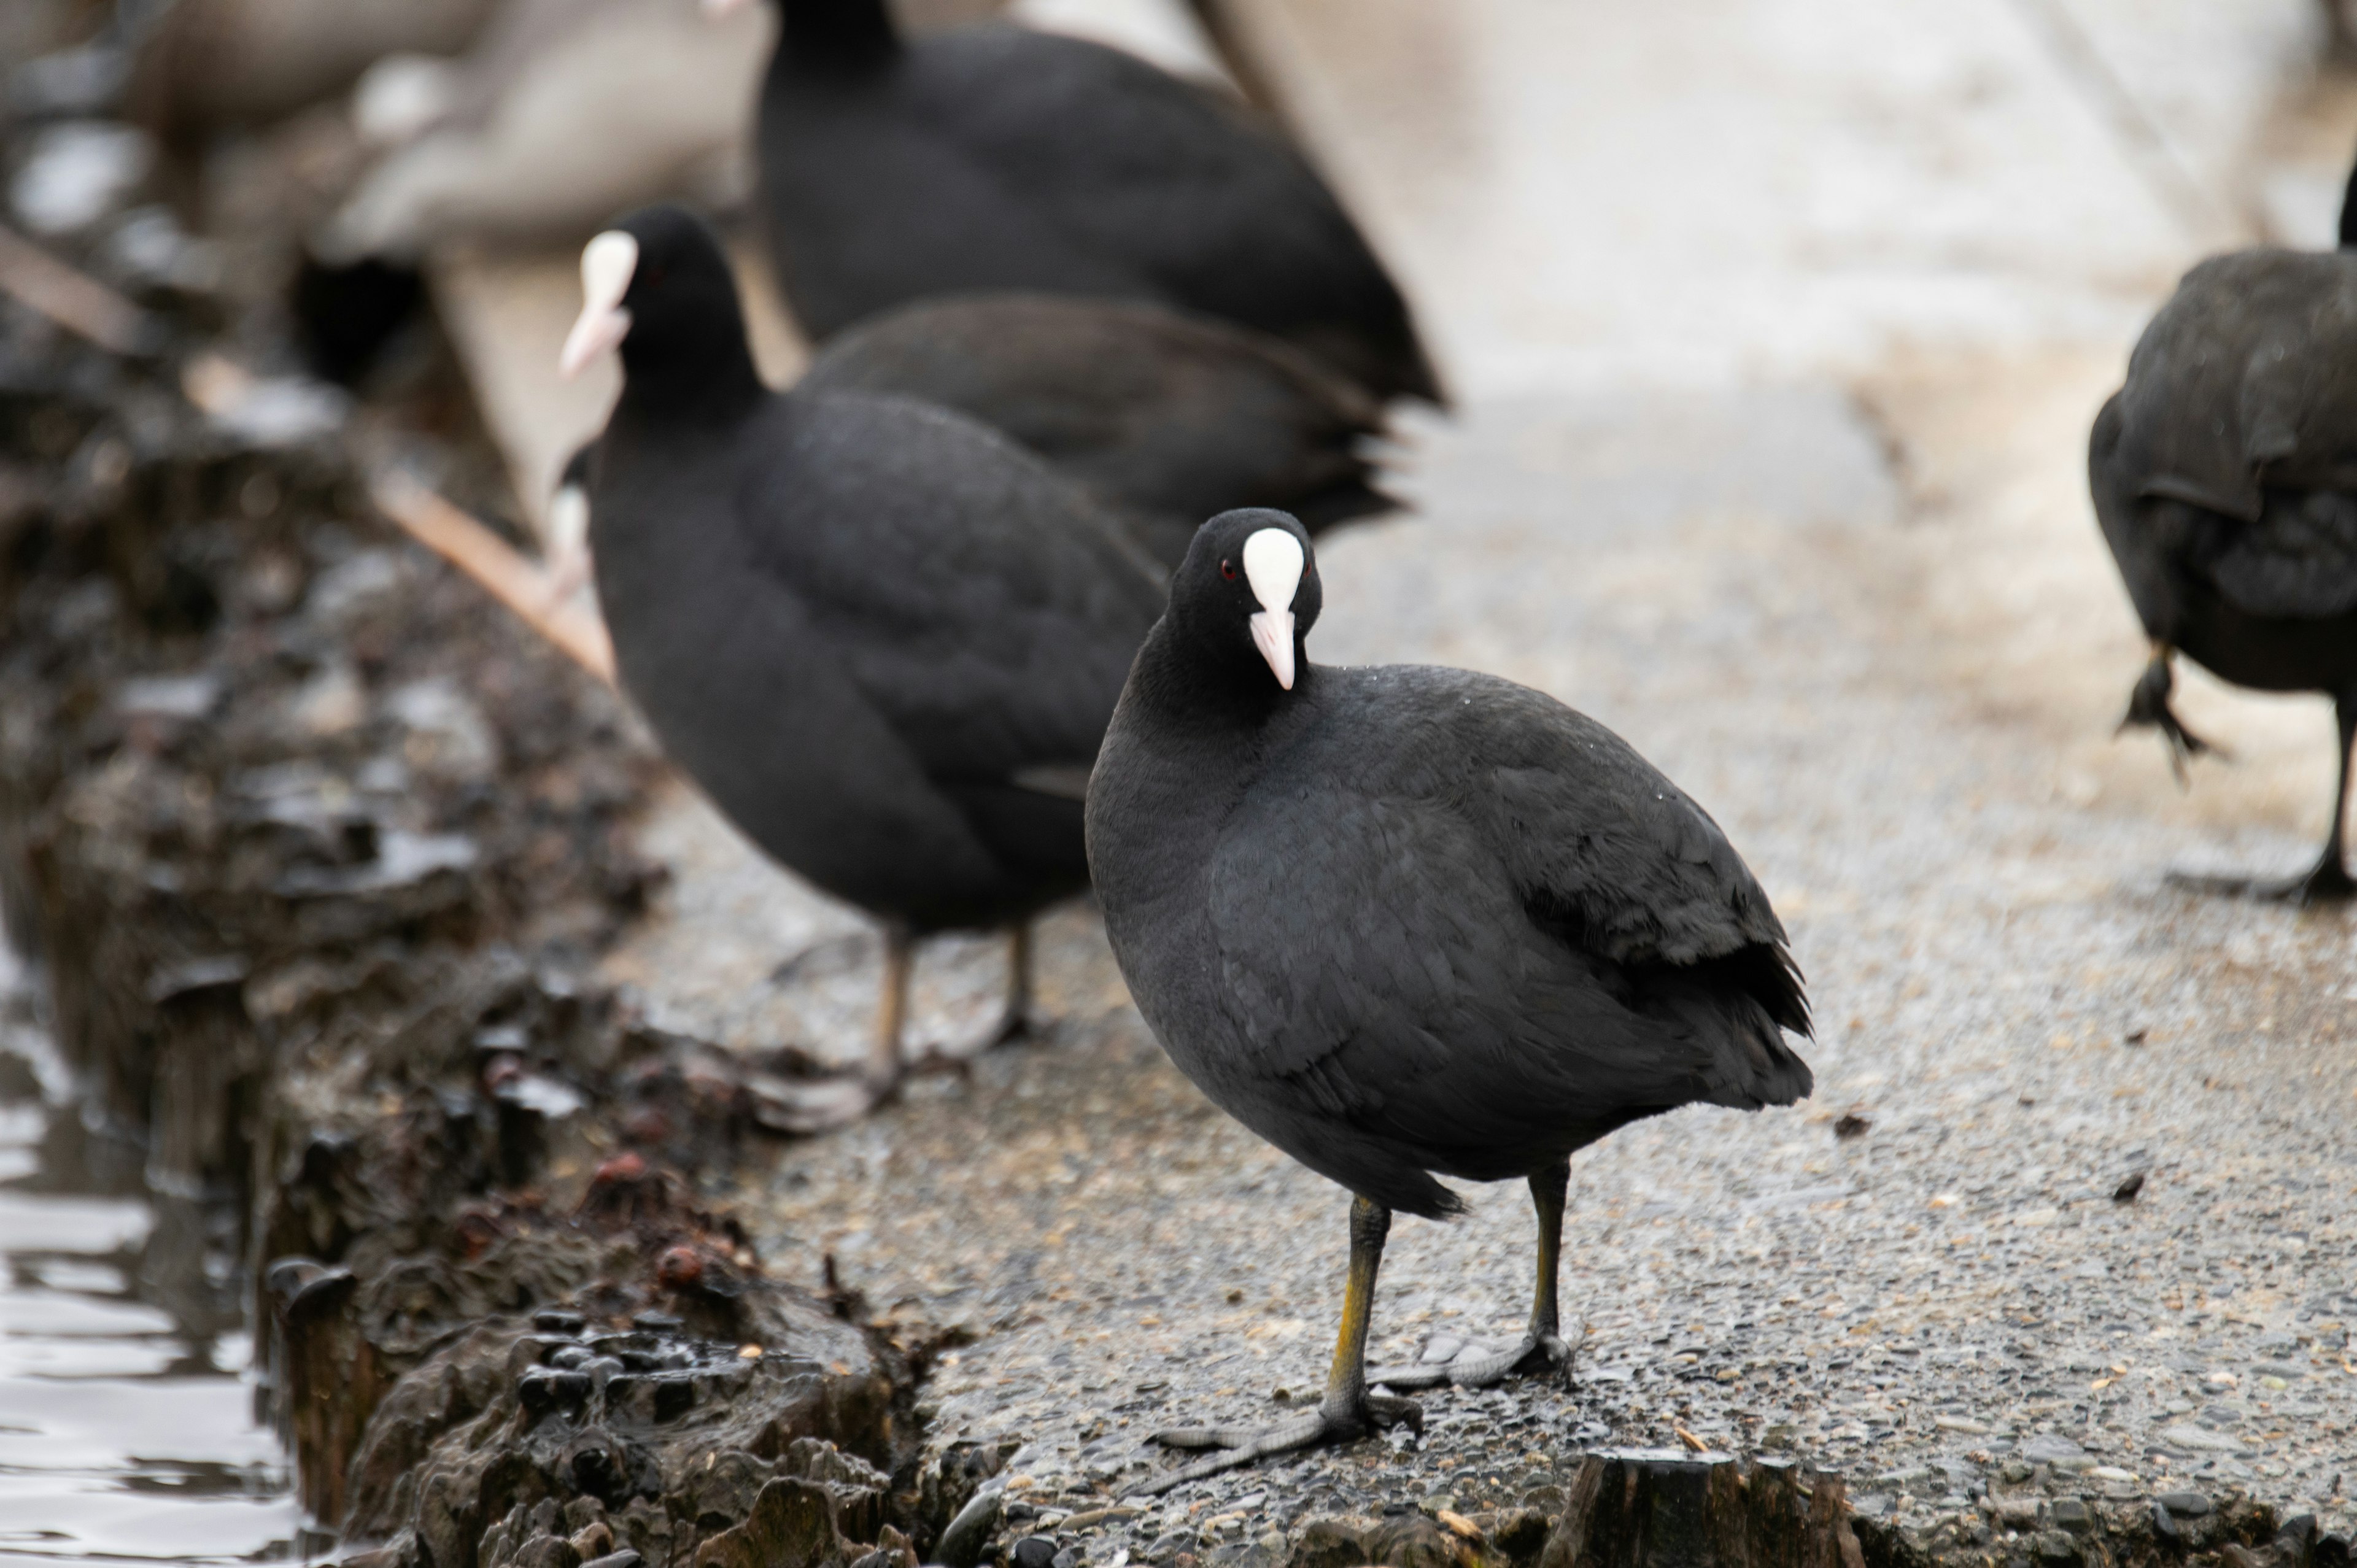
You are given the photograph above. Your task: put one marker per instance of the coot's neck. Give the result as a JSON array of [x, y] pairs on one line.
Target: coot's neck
[[834, 33], [696, 373], [1210, 688]]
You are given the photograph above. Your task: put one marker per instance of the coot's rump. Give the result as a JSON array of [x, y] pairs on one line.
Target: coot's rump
[[884, 640], [994, 157], [1408, 923], [1167, 416], [2224, 475]]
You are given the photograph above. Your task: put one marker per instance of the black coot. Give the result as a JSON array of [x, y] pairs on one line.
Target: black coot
[[1407, 922], [996, 157], [1167, 416], [2224, 475], [882, 637]]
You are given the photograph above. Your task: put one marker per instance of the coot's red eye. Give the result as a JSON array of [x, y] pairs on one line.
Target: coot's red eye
[[1228, 570]]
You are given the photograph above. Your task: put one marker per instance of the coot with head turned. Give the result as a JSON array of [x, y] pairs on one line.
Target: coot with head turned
[[1167, 416], [996, 157], [1408, 923], [2224, 475], [884, 640]]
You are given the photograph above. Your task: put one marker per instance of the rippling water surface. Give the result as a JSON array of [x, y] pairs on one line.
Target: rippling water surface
[[126, 1421]]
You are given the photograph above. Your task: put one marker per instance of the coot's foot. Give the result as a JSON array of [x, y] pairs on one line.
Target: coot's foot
[[1329, 1423], [1536, 1353], [2148, 707], [2327, 882]]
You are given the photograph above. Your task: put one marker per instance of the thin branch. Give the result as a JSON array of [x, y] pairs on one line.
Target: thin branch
[[74, 300], [522, 585]]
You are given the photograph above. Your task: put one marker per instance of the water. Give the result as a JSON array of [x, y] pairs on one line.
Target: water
[[127, 1417]]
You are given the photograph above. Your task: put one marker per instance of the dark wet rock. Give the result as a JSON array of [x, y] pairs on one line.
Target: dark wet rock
[[969, 1530], [2184, 1504], [1034, 1552]]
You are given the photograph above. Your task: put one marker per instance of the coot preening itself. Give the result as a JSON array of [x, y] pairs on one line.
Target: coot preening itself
[[2224, 475], [994, 157], [1406, 922], [1167, 416], [882, 637]]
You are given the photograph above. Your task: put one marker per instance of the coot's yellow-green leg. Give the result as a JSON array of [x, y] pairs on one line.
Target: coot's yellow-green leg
[[1543, 1344], [1347, 1411]]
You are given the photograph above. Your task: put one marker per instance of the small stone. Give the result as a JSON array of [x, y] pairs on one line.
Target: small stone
[[2053, 1448], [2053, 1546], [2074, 1515], [1035, 1551], [1166, 1547], [1068, 1558], [2163, 1523], [2184, 1505], [2201, 1440], [553, 1321]]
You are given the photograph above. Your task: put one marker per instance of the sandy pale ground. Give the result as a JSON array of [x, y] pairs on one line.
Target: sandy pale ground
[[1787, 490]]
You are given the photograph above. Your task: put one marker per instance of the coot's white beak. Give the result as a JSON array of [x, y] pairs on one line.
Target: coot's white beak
[[716, 10], [1273, 565], [607, 262]]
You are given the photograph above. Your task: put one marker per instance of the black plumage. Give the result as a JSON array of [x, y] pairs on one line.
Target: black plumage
[[2225, 475], [883, 638], [1167, 416], [996, 157], [1408, 923]]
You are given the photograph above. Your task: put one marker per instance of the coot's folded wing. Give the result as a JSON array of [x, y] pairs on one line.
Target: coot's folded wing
[[1501, 914], [1174, 418], [2245, 381], [984, 607]]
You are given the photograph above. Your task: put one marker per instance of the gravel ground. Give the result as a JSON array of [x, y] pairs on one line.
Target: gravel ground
[[1864, 616], [1886, 652]]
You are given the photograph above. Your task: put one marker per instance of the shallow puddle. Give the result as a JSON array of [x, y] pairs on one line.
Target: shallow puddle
[[126, 1418]]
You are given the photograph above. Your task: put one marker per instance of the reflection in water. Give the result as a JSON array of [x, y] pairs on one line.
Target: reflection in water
[[126, 1426]]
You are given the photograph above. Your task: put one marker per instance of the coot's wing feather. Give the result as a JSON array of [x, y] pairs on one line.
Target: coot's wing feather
[[1167, 175], [1171, 416], [1599, 839], [986, 611], [1498, 928], [2245, 381]]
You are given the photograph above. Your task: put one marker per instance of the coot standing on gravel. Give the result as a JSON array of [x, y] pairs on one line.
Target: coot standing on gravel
[[1406, 922], [994, 157], [884, 640], [2224, 475]]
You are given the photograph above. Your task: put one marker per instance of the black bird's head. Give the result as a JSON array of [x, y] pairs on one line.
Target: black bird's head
[[657, 287], [1243, 600]]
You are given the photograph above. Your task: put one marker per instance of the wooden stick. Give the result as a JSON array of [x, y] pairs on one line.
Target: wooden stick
[[75, 301], [522, 585]]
